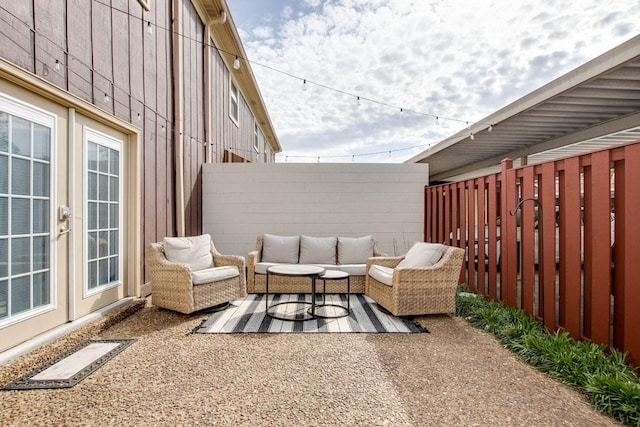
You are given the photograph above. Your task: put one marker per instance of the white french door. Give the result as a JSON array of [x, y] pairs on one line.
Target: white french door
[[27, 236]]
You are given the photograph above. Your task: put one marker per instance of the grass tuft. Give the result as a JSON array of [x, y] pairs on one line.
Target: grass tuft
[[604, 377]]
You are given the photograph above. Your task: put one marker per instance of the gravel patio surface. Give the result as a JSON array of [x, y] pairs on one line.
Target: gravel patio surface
[[454, 376]]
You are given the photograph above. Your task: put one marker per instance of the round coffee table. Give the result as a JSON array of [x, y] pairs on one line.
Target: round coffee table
[[334, 275], [310, 271]]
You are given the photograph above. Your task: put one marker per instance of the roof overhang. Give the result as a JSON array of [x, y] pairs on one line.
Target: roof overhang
[[597, 105], [227, 40]]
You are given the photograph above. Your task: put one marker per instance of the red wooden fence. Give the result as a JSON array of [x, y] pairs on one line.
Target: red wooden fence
[[570, 253]]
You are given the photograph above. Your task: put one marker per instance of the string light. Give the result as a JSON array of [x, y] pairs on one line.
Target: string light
[[149, 28], [472, 137], [236, 63], [359, 102], [304, 84]]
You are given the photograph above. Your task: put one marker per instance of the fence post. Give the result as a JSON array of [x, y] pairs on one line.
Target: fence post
[[507, 197]]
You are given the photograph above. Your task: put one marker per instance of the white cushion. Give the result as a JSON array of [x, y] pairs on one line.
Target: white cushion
[[317, 250], [261, 267], [280, 248], [214, 274], [382, 274], [354, 250], [422, 255], [352, 269], [195, 251]]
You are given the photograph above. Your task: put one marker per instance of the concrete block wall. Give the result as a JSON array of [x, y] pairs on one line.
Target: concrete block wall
[[243, 200]]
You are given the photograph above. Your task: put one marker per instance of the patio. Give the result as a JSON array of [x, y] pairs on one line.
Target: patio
[[456, 375]]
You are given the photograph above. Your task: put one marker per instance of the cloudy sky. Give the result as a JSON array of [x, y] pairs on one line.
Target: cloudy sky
[[410, 62]]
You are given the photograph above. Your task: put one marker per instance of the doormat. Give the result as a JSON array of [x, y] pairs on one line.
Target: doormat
[[247, 315], [72, 366]]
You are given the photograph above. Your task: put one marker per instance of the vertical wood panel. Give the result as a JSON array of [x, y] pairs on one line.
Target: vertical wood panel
[[492, 212], [51, 40], [17, 40], [446, 238], [528, 241], [547, 194], [150, 65], [150, 180], [440, 220], [163, 70], [120, 34], [136, 56], [509, 285], [102, 57], [427, 214], [471, 233], [597, 248], [455, 224], [462, 207], [80, 76], [570, 247], [630, 223], [161, 176], [481, 238]]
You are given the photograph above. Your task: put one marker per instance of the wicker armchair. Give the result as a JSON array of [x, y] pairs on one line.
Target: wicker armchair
[[172, 283], [415, 291]]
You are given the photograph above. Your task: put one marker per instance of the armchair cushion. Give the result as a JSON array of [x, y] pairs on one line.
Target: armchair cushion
[[317, 250], [423, 255], [194, 251], [214, 274], [382, 274], [354, 250], [280, 249]]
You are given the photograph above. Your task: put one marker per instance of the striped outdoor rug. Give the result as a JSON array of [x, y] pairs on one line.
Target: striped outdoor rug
[[247, 315]]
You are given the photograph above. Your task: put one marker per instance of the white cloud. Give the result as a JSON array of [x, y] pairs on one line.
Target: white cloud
[[451, 58]]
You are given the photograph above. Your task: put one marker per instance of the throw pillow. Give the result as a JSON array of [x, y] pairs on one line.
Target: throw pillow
[[195, 251], [422, 255], [317, 250], [280, 248], [354, 250]]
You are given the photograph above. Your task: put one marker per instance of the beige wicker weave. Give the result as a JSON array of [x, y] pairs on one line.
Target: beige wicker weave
[[257, 283], [427, 290], [171, 285]]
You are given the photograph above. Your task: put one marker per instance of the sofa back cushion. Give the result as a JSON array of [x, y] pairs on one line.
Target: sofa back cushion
[[283, 249], [354, 250], [195, 251], [422, 255], [318, 250]]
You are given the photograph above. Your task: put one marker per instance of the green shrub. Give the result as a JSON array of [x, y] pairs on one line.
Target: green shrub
[[608, 381]]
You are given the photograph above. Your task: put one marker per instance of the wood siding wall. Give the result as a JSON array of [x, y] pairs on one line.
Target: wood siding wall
[[103, 48]]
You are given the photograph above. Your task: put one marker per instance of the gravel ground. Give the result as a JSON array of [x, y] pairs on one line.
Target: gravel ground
[[454, 376]]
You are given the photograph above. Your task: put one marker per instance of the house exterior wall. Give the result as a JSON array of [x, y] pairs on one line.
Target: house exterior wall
[[241, 201], [103, 54]]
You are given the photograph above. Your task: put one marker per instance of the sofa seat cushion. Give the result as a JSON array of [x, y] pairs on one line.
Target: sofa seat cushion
[[382, 274], [423, 255], [317, 250], [284, 249], [261, 267], [354, 250], [194, 251], [352, 269], [214, 274]]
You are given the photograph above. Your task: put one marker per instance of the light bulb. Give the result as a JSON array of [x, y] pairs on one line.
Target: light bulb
[[490, 128], [106, 98], [149, 28], [236, 63], [57, 66], [45, 70], [437, 120], [359, 103], [472, 137], [304, 84]]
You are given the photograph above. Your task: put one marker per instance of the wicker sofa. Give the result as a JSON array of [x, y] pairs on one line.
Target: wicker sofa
[[423, 281], [347, 254], [188, 274]]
